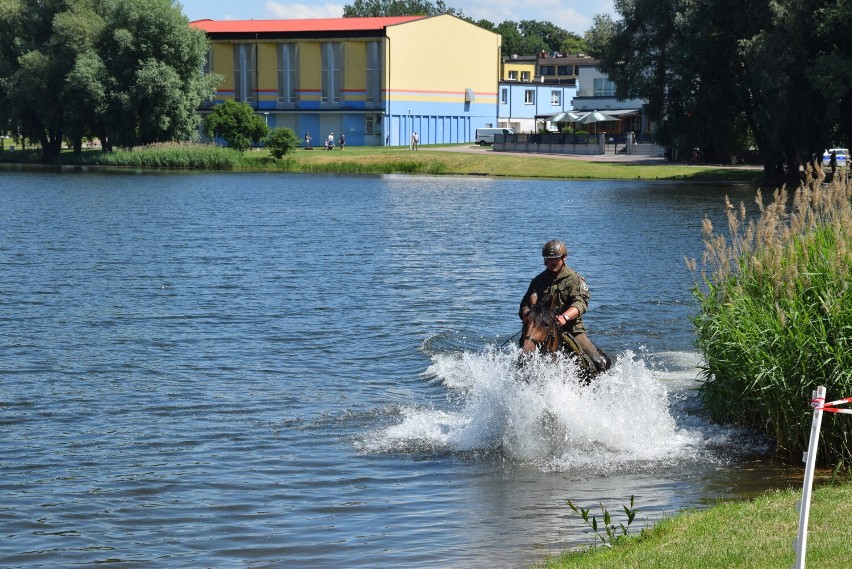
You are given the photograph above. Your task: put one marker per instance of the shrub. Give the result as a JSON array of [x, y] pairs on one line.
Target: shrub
[[775, 316], [281, 141], [235, 123]]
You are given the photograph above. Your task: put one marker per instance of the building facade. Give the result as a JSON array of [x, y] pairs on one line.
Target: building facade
[[376, 80]]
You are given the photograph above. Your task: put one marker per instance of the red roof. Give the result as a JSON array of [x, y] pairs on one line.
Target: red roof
[[314, 25]]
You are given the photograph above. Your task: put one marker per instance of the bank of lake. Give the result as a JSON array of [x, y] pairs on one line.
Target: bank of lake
[[431, 160]]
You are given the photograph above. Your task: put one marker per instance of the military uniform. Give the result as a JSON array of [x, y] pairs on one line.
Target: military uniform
[[566, 289]]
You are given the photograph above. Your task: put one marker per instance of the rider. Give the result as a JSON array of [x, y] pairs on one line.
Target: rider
[[566, 291]]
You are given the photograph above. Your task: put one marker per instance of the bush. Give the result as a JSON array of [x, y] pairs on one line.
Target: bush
[[235, 123], [775, 317], [281, 141]]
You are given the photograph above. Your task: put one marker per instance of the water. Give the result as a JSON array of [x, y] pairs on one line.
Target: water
[[305, 371]]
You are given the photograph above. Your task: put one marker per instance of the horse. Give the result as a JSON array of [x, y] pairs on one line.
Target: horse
[[541, 333]]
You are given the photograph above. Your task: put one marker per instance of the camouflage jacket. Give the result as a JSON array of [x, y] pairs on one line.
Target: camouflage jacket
[[565, 290]]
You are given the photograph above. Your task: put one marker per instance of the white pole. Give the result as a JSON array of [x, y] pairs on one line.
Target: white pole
[[810, 463]]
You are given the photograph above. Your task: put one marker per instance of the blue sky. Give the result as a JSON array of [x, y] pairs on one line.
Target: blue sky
[[572, 15]]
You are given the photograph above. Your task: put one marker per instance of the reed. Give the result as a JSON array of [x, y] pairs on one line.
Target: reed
[[775, 315], [183, 155]]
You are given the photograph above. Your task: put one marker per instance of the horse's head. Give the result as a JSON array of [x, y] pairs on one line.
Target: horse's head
[[540, 330]]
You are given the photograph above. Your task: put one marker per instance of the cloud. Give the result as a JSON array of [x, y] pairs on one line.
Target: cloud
[[303, 11]]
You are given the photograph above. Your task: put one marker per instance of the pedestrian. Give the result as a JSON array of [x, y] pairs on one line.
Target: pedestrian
[[329, 142], [308, 141], [342, 141]]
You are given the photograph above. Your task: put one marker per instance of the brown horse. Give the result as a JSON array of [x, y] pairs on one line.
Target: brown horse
[[541, 333]]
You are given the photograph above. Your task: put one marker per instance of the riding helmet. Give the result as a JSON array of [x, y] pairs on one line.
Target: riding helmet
[[554, 249]]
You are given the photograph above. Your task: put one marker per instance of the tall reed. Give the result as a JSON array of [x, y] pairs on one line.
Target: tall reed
[[184, 155], [775, 315]]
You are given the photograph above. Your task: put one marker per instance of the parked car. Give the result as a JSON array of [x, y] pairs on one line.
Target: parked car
[[486, 135], [841, 154]]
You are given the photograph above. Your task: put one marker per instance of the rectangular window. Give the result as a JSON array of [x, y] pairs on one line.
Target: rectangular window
[[287, 74], [529, 97], [556, 98], [374, 72], [504, 95], [604, 87], [548, 70], [513, 75], [566, 70], [332, 71], [245, 86], [525, 75]]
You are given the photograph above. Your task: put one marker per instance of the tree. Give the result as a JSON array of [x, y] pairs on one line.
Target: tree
[[376, 8], [281, 141], [153, 63], [235, 123], [126, 71], [720, 73]]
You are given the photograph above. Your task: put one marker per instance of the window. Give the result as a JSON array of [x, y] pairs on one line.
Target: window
[[287, 74], [504, 96], [529, 97], [556, 98], [548, 70], [604, 87], [525, 75], [244, 72], [374, 72], [513, 75], [332, 71], [566, 70]]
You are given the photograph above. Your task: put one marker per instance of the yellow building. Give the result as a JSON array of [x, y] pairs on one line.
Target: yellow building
[[375, 80]]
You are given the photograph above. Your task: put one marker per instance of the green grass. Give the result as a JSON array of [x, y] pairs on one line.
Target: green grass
[[754, 534], [775, 319], [429, 160]]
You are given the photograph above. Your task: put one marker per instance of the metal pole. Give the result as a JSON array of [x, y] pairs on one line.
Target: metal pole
[[801, 545]]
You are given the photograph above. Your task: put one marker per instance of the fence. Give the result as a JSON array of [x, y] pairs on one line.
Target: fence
[[582, 144]]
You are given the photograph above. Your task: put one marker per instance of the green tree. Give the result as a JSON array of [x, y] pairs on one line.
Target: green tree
[[281, 141], [153, 63], [722, 73], [126, 71], [235, 123], [377, 8]]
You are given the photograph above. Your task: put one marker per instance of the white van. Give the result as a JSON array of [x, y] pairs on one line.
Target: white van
[[841, 154], [486, 135]]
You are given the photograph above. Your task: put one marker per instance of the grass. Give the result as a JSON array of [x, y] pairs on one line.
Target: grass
[[753, 534], [429, 160], [775, 319]]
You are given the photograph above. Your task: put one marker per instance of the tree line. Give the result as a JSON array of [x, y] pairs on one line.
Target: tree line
[[725, 77], [128, 73]]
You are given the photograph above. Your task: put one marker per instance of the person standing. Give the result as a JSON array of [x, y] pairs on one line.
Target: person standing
[[413, 141], [308, 141], [567, 292], [342, 141]]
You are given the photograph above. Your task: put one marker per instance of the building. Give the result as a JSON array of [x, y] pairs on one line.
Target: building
[[596, 92], [376, 80], [535, 87]]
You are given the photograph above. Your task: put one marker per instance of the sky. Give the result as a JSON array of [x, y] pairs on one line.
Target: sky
[[572, 15]]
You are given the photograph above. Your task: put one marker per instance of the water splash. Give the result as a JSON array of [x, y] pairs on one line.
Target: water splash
[[544, 416]]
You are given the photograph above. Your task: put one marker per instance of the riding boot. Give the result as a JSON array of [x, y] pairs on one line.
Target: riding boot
[[591, 351]]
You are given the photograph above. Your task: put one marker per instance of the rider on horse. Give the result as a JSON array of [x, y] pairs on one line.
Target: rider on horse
[[566, 292]]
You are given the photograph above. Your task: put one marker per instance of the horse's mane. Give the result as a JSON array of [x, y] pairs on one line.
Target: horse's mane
[[542, 315]]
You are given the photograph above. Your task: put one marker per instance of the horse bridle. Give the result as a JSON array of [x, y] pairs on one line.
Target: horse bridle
[[537, 343]]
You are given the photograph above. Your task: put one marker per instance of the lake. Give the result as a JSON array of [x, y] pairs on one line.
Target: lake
[[267, 370]]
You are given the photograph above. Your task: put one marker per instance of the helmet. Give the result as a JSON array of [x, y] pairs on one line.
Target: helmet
[[554, 249]]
